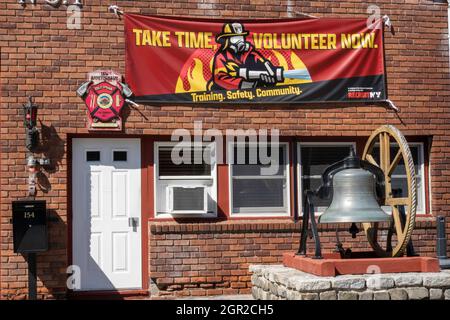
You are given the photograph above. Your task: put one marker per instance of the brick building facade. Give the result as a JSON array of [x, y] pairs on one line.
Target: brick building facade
[[40, 57]]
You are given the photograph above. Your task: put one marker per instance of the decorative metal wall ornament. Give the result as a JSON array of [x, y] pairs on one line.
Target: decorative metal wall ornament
[[343, 189], [105, 96]]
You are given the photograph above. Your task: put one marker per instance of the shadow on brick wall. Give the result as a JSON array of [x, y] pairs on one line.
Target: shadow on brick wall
[[51, 265], [51, 146]]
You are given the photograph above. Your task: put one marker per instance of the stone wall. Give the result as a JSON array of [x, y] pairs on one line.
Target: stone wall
[[276, 282]]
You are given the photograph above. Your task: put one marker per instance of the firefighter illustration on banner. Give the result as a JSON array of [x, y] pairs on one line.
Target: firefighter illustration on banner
[[105, 96], [238, 65], [236, 58], [185, 60]]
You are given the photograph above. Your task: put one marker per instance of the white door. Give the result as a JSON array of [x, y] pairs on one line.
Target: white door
[[106, 202]]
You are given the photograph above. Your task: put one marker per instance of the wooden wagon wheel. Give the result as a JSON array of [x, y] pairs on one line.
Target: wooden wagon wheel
[[388, 163]]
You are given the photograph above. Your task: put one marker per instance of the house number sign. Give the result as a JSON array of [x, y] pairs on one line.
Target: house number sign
[[55, 3], [73, 10]]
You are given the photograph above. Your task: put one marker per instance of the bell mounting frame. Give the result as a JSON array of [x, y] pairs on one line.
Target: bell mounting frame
[[402, 224]]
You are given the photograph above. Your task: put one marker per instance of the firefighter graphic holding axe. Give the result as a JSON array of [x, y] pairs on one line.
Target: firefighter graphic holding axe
[[237, 65]]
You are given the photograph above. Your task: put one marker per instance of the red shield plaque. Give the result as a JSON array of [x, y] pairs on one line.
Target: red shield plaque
[[105, 99]]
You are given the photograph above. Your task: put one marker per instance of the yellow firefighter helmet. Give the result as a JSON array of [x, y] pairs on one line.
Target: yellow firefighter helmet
[[230, 30]]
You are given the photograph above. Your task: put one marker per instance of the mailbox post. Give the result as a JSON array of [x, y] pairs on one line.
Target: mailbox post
[[30, 235]]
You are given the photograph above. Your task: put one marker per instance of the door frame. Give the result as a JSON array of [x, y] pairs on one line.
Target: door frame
[[145, 167]]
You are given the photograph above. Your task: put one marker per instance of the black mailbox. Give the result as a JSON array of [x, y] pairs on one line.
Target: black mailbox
[[29, 226]]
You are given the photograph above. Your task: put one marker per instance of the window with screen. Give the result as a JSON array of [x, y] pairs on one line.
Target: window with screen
[[185, 179], [258, 187], [314, 159]]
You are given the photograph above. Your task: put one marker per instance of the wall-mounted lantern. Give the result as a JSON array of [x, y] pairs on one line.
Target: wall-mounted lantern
[[30, 111], [30, 120]]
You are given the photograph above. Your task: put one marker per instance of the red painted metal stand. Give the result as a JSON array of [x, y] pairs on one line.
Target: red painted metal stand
[[361, 263]]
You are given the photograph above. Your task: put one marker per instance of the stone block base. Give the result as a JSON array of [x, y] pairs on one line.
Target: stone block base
[[277, 282]]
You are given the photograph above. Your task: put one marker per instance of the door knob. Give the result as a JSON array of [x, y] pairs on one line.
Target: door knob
[[133, 222]]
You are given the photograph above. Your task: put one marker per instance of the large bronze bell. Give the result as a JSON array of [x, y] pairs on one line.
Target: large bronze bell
[[357, 188], [354, 199]]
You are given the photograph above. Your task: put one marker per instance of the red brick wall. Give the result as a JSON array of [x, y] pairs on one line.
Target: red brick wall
[[42, 58], [213, 258]]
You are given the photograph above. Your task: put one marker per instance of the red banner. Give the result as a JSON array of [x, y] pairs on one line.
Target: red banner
[[173, 60]]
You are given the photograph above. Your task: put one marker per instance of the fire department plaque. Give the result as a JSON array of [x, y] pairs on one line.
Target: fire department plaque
[[104, 95]]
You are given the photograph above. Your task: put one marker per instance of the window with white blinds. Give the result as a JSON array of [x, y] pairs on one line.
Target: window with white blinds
[[254, 189], [195, 166], [185, 180]]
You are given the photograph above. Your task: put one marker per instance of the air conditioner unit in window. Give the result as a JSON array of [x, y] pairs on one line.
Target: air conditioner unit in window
[[187, 200]]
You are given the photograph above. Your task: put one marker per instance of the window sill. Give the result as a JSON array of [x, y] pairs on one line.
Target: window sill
[[165, 216], [259, 215], [228, 226], [425, 217]]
